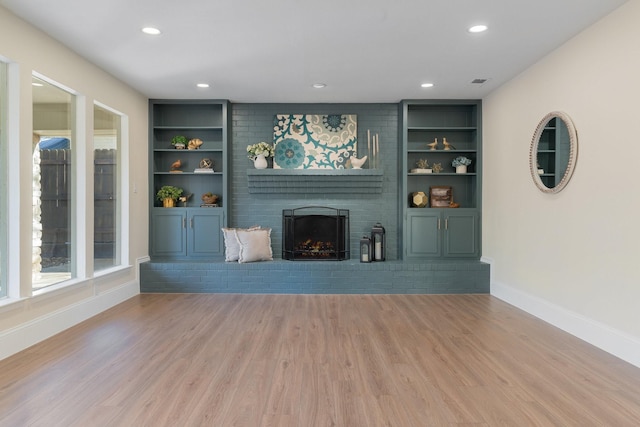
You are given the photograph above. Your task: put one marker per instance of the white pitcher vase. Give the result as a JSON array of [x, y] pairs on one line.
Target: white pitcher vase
[[260, 162]]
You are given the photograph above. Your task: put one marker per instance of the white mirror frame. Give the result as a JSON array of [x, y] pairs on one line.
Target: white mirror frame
[[573, 152]]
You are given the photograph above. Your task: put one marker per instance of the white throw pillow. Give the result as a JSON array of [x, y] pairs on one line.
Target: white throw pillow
[[231, 246], [255, 245]]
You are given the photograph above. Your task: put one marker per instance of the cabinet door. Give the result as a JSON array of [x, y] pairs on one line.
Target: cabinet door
[[204, 232], [423, 233], [167, 232], [461, 233]]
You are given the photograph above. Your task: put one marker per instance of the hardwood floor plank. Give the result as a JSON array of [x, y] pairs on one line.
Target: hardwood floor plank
[[316, 360]]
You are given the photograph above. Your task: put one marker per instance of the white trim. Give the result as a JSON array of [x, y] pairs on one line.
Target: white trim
[[13, 184], [24, 336], [611, 340]]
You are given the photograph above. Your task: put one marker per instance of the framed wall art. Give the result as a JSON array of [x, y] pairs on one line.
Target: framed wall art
[[314, 141], [440, 196]]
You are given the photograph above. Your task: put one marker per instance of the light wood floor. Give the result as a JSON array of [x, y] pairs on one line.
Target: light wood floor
[[303, 360]]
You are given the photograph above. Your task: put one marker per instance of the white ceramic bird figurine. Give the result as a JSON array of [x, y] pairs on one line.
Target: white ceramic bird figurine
[[357, 163]]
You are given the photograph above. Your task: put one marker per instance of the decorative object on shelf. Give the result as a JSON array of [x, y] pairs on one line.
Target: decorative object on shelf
[[168, 194], [206, 166], [260, 162], [441, 196], [373, 148], [433, 145], [422, 167], [194, 144], [378, 242], [259, 152], [357, 163], [209, 200], [314, 141], [419, 199], [179, 142], [175, 166], [461, 163], [453, 204], [184, 199], [447, 146], [437, 167], [365, 249]]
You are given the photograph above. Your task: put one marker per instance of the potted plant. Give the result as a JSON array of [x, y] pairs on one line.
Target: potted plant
[[461, 163], [169, 194], [259, 152], [179, 142]]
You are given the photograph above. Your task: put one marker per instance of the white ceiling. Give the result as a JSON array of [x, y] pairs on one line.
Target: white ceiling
[[273, 51]]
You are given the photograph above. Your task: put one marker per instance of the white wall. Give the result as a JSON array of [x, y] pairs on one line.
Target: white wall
[[571, 258], [26, 321]]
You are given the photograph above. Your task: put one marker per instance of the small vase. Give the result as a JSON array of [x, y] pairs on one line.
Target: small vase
[[461, 169], [260, 162], [168, 203]]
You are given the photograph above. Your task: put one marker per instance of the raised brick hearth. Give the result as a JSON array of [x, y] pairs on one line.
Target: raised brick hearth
[[317, 277]]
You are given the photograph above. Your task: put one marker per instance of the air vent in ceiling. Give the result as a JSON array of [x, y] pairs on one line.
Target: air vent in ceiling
[[479, 81]]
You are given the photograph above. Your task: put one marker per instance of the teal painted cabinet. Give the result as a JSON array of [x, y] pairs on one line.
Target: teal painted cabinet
[[433, 233], [191, 230], [185, 232], [434, 133]]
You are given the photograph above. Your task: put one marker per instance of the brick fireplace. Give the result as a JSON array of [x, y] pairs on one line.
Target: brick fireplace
[[370, 196]]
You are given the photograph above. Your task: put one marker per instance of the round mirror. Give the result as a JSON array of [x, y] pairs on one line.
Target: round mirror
[[554, 150]]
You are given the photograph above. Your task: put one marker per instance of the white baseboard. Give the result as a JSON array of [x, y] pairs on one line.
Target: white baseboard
[[611, 340], [27, 334]]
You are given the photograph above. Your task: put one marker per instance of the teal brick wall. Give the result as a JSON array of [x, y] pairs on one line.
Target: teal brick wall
[[254, 123]]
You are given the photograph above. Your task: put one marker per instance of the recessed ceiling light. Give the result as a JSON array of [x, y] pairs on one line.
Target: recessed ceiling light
[[478, 28], [151, 31], [426, 85], [319, 85], [203, 85]]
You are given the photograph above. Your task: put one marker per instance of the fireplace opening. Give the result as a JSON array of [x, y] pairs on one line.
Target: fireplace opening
[[315, 233]]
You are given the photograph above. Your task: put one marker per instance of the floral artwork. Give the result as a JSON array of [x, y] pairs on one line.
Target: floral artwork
[[314, 141]]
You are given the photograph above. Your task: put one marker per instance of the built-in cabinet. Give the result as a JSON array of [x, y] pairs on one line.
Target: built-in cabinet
[[189, 230], [438, 132]]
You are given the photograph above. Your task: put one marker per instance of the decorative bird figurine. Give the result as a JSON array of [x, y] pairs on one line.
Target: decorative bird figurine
[[357, 163], [433, 145], [175, 166], [447, 146]]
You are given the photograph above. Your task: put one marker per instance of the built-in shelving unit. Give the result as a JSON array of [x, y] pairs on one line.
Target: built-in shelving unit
[[433, 232], [190, 230]]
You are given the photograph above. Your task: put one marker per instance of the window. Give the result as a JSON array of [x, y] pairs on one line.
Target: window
[[3, 180], [107, 135], [53, 204]]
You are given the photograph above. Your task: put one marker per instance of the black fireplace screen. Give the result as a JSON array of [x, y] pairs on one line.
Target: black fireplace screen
[[315, 233]]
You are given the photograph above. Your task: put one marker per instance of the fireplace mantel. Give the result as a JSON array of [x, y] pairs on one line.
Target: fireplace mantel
[[315, 181]]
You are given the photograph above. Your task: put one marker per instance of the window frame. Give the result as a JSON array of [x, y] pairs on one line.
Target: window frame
[[122, 194]]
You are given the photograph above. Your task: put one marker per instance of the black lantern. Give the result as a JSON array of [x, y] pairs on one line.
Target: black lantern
[[365, 249], [378, 242]]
